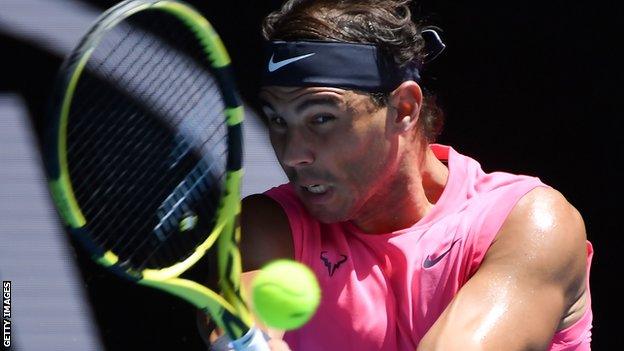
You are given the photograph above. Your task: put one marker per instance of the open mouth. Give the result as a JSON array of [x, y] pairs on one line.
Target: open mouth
[[316, 188], [317, 194]]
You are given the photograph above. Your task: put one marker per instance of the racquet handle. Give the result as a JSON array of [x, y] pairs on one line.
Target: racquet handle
[[254, 340]]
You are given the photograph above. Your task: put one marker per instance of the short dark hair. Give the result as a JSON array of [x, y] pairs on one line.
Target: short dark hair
[[388, 24]]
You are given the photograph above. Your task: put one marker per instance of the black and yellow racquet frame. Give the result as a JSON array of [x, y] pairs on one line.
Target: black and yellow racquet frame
[[102, 166]]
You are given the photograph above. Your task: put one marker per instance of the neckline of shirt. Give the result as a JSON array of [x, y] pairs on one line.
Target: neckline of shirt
[[442, 152]]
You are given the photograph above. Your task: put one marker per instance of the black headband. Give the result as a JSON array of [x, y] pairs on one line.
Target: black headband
[[342, 65]]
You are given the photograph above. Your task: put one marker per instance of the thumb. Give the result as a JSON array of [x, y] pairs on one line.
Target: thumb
[[278, 345]]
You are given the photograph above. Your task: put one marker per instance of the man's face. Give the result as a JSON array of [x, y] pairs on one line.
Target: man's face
[[334, 146]]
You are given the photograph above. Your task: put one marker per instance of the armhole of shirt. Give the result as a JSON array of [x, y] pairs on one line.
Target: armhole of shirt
[[294, 212], [490, 220], [580, 332]]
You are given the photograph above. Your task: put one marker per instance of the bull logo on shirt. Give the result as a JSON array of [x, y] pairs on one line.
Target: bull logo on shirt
[[332, 267]]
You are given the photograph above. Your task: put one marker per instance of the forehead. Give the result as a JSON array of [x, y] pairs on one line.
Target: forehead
[[285, 95], [277, 96]]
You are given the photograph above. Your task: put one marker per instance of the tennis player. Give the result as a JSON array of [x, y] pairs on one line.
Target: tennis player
[[414, 245]]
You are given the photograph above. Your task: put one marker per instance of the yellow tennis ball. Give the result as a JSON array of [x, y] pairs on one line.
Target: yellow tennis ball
[[285, 294]]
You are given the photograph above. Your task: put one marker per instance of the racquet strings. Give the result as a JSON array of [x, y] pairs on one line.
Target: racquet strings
[[147, 142]]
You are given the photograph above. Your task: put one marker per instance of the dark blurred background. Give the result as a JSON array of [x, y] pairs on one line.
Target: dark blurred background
[[528, 87]]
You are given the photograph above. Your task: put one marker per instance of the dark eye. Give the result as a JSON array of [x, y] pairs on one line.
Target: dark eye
[[277, 121], [322, 119]]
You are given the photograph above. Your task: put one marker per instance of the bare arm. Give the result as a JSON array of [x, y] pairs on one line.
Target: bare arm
[[265, 232], [265, 236], [531, 275]]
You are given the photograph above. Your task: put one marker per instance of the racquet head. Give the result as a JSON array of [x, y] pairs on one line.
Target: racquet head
[[144, 151]]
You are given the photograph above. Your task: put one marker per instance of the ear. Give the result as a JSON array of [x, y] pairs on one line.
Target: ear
[[406, 100]]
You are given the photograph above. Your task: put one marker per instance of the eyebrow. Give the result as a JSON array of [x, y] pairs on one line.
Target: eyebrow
[[322, 100], [266, 104]]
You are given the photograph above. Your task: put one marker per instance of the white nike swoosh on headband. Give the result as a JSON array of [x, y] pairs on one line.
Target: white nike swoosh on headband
[[274, 66]]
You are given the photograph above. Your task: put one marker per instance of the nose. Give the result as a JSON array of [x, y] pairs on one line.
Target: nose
[[297, 150]]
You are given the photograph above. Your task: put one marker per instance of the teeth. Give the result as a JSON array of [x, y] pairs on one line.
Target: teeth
[[317, 189]]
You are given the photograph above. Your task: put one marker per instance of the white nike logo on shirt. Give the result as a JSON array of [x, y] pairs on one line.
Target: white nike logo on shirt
[[274, 66]]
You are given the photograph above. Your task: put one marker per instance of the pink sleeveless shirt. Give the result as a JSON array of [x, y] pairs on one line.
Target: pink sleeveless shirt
[[384, 291]]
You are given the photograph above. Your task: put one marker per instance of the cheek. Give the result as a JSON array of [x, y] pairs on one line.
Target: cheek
[[367, 162], [371, 166], [277, 142]]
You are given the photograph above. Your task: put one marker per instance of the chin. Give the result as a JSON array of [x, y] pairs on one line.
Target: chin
[[328, 215], [328, 219], [333, 210]]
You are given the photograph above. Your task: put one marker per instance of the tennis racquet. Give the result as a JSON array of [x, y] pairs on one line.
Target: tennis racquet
[[144, 154]]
